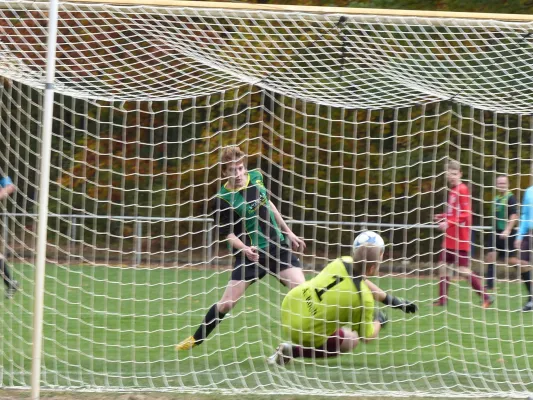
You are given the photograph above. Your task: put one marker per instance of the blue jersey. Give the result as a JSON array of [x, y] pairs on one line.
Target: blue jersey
[[526, 215], [5, 181]]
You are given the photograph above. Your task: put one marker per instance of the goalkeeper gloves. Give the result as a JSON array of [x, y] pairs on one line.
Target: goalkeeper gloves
[[405, 305], [381, 317]]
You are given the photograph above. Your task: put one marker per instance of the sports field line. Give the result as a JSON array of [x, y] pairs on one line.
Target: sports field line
[[157, 374]]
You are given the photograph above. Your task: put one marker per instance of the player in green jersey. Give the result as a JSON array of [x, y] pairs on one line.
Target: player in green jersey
[[331, 313], [501, 240], [257, 234]]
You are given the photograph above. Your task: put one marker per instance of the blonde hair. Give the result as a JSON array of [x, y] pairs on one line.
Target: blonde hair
[[365, 255], [453, 165], [232, 154]]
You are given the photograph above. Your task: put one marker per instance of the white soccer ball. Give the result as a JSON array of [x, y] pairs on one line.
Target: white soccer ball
[[369, 238]]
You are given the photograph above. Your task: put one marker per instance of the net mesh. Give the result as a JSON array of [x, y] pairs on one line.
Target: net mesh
[[349, 117]]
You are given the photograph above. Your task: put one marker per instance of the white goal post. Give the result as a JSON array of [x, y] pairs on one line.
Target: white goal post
[[350, 115]]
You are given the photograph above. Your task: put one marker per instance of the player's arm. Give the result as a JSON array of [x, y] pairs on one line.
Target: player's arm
[[296, 242], [7, 187], [249, 251], [389, 300], [225, 219]]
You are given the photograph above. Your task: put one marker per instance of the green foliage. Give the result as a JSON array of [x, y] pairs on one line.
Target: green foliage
[[160, 159], [505, 6]]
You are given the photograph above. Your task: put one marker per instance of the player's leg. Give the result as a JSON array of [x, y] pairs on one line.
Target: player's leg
[[342, 340], [490, 260], [283, 264], [349, 342], [292, 277], [525, 270], [525, 276], [234, 291], [512, 253], [465, 272], [490, 272], [444, 280], [242, 276], [10, 284]]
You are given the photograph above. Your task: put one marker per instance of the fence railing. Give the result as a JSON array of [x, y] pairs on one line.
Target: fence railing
[[140, 221]]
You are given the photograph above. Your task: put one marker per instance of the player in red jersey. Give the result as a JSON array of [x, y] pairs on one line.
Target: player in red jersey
[[456, 222]]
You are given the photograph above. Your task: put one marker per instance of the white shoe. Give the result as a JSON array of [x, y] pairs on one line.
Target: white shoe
[[282, 356]]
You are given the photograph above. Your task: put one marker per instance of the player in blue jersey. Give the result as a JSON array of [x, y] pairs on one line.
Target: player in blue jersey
[[7, 188], [257, 235], [524, 243]]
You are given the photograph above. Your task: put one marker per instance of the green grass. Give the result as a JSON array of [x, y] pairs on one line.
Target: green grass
[[117, 327]]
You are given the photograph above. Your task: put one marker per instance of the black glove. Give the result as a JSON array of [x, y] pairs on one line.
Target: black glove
[[381, 317], [405, 305]]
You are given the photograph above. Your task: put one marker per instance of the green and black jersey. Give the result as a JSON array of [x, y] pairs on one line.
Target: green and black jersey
[[504, 207], [247, 213]]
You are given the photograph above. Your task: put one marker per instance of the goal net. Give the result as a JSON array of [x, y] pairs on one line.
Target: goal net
[[350, 118]]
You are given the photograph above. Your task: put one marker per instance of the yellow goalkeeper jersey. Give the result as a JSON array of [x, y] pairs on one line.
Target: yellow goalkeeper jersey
[[314, 310]]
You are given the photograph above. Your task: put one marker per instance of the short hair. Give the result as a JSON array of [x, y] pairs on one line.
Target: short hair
[[453, 165], [364, 255], [232, 154]]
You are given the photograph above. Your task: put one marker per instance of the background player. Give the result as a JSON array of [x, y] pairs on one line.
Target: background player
[[457, 223], [257, 234], [501, 239], [7, 188], [524, 243], [315, 314]]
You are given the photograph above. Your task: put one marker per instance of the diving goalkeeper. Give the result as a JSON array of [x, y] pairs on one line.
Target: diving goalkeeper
[[315, 315]]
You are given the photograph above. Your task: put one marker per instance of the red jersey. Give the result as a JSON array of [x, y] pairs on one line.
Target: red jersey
[[459, 218]]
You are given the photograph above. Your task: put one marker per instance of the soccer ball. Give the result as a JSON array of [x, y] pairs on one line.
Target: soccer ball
[[369, 238]]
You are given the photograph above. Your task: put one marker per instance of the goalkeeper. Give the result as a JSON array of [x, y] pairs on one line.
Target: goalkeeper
[[315, 315]]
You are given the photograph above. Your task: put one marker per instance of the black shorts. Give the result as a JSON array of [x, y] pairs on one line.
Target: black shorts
[[504, 247], [273, 260], [526, 247]]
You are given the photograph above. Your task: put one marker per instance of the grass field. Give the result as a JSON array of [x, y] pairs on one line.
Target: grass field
[[117, 327]]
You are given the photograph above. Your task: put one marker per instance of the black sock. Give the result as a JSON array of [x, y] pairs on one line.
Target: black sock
[[4, 270], [211, 320], [489, 276], [526, 277]]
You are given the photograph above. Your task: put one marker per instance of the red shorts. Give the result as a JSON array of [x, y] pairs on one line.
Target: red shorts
[[333, 344], [459, 258]]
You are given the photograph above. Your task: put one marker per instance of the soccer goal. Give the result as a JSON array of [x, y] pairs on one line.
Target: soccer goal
[[350, 116]]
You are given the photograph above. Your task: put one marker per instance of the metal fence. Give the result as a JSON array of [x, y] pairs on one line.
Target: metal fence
[[140, 221]]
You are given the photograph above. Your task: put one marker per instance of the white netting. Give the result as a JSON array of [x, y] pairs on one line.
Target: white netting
[[144, 52], [349, 117]]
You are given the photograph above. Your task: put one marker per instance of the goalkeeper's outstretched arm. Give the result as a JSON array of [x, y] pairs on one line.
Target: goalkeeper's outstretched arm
[[392, 301]]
